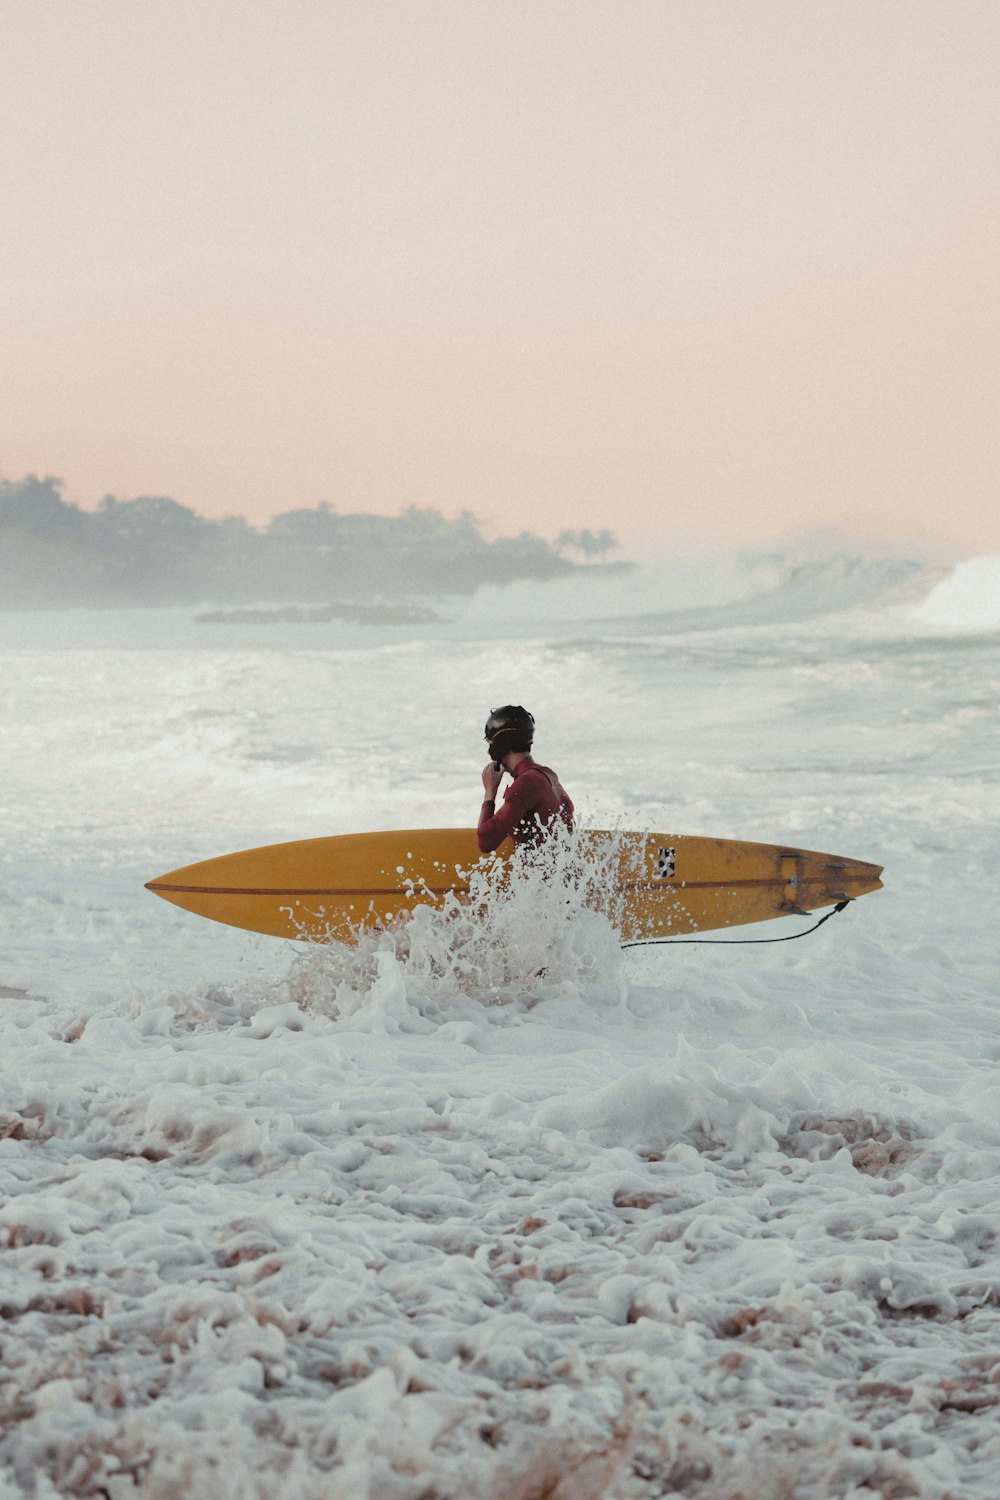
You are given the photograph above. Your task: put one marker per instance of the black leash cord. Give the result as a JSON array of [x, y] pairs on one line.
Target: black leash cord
[[737, 942]]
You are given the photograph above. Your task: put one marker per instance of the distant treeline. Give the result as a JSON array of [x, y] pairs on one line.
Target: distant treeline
[[154, 551]]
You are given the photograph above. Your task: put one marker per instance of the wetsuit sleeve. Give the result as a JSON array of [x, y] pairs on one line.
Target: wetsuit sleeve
[[520, 802]]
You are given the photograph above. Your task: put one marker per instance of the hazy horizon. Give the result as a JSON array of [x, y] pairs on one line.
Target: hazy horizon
[[703, 275], [629, 544]]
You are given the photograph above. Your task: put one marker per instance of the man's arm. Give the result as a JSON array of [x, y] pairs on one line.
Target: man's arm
[[492, 777], [521, 799]]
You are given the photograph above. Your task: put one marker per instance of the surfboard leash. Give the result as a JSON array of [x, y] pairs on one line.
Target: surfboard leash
[[736, 942]]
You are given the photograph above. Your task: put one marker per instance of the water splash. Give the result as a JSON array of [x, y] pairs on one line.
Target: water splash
[[539, 924]]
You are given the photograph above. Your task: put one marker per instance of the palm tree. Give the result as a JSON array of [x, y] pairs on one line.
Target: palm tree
[[588, 543]]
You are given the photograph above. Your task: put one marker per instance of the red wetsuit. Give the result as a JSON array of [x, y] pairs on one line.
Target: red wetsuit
[[534, 798]]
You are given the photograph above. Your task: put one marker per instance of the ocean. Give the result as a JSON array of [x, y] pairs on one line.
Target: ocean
[[360, 1224]]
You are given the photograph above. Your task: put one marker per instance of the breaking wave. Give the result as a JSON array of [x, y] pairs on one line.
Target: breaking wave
[[967, 599], [805, 590]]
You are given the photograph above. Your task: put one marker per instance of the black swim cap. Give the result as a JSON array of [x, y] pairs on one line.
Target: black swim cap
[[509, 728]]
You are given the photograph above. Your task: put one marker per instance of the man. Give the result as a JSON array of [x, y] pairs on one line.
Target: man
[[534, 799]]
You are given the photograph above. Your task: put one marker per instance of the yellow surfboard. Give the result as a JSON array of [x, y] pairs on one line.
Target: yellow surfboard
[[652, 885]]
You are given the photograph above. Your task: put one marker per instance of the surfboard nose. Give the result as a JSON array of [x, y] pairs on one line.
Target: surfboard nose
[[161, 883]]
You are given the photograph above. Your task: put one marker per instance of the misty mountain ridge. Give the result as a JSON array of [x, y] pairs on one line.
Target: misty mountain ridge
[[155, 551]]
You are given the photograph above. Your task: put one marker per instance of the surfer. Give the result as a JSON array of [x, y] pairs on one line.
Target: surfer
[[535, 798]]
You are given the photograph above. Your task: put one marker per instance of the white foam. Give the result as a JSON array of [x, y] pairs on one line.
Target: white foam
[[968, 599], [486, 1207]]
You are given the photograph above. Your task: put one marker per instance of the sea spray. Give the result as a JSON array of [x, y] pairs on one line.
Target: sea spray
[[539, 924]]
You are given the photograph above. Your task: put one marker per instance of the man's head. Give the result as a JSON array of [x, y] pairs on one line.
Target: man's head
[[509, 730]]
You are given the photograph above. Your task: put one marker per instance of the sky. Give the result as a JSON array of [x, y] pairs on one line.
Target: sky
[[696, 270]]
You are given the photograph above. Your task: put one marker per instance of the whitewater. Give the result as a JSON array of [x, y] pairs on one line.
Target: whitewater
[[717, 1222]]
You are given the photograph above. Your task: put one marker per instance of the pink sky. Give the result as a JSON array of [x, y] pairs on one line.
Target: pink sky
[[695, 271]]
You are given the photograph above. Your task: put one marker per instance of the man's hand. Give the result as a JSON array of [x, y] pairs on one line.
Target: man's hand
[[491, 780]]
